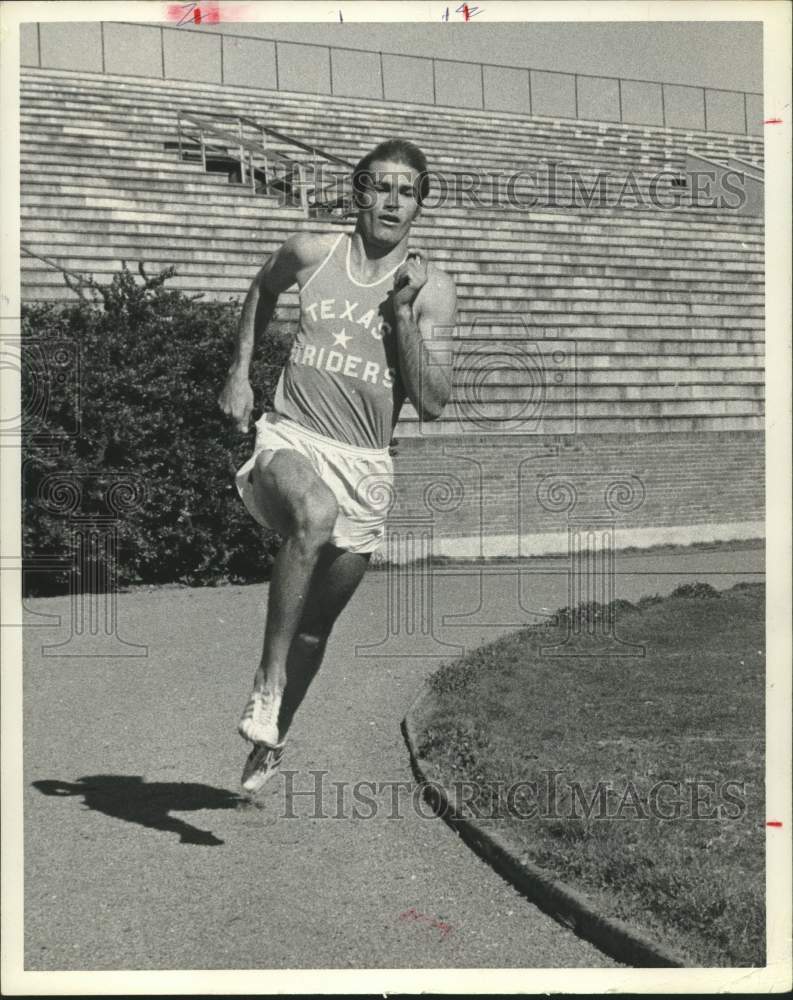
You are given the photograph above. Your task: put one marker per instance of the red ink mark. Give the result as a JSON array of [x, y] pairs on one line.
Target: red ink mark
[[468, 12], [176, 12], [774, 822], [773, 121], [441, 925], [209, 13]]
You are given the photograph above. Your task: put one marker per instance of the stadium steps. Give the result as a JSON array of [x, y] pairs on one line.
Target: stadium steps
[[509, 285], [559, 280], [660, 312], [350, 117], [490, 180], [587, 157]]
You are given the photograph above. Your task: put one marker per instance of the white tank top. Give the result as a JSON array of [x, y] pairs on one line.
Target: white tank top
[[341, 379]]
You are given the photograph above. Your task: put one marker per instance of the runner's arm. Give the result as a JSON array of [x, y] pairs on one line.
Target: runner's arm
[[424, 329], [278, 273]]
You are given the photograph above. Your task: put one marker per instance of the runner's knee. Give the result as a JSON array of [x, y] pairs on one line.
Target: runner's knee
[[261, 463], [314, 516], [297, 503]]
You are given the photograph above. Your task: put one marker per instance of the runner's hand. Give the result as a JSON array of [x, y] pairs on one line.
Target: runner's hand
[[410, 278], [236, 401]]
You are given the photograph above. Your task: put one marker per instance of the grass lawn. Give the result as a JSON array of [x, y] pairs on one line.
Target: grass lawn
[[642, 777]]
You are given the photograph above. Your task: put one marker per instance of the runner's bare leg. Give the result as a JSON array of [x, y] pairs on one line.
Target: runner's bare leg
[[336, 577], [303, 510]]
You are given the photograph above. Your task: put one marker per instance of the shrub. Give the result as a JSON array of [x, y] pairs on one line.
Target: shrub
[[648, 601], [151, 363], [592, 611], [696, 590]]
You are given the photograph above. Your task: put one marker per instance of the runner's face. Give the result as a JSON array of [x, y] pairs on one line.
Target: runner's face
[[388, 202]]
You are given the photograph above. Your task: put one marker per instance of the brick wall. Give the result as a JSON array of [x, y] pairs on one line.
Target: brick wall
[[509, 495]]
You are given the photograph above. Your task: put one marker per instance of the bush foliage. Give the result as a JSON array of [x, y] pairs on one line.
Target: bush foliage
[[140, 399]]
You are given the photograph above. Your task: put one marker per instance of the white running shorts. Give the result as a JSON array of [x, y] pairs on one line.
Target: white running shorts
[[361, 479]]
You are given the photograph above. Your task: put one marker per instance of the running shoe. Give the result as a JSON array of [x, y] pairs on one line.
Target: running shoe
[[259, 721], [263, 762]]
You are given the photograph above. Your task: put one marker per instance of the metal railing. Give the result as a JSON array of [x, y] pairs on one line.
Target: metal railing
[[258, 160], [477, 69]]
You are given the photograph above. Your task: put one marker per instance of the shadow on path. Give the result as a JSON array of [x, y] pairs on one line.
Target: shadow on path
[[130, 798]]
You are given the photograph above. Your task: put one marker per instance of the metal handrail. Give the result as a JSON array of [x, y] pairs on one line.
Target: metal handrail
[[307, 147], [228, 137], [202, 129], [290, 139], [254, 149]]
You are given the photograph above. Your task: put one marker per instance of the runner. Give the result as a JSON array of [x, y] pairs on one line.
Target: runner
[[369, 304]]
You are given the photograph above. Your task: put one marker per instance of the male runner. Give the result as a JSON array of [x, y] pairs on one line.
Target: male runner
[[368, 308]]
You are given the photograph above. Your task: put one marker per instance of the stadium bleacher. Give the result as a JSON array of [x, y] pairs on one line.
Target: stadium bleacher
[[654, 313]]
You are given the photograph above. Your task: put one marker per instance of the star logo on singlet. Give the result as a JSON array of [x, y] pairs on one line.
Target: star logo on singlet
[[340, 339]]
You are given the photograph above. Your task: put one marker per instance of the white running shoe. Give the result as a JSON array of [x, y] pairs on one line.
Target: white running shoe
[[262, 763], [259, 721]]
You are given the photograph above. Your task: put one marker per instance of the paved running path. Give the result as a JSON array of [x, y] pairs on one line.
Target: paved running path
[[138, 856]]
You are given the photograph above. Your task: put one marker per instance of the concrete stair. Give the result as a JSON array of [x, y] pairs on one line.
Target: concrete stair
[[347, 127], [657, 313]]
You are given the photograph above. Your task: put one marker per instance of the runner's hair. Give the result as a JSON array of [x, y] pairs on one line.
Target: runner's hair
[[400, 151]]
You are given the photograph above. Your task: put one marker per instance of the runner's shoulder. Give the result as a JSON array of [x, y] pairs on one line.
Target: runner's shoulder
[[307, 250], [439, 279]]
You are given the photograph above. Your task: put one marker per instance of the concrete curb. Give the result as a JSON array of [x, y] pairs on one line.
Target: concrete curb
[[617, 939]]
